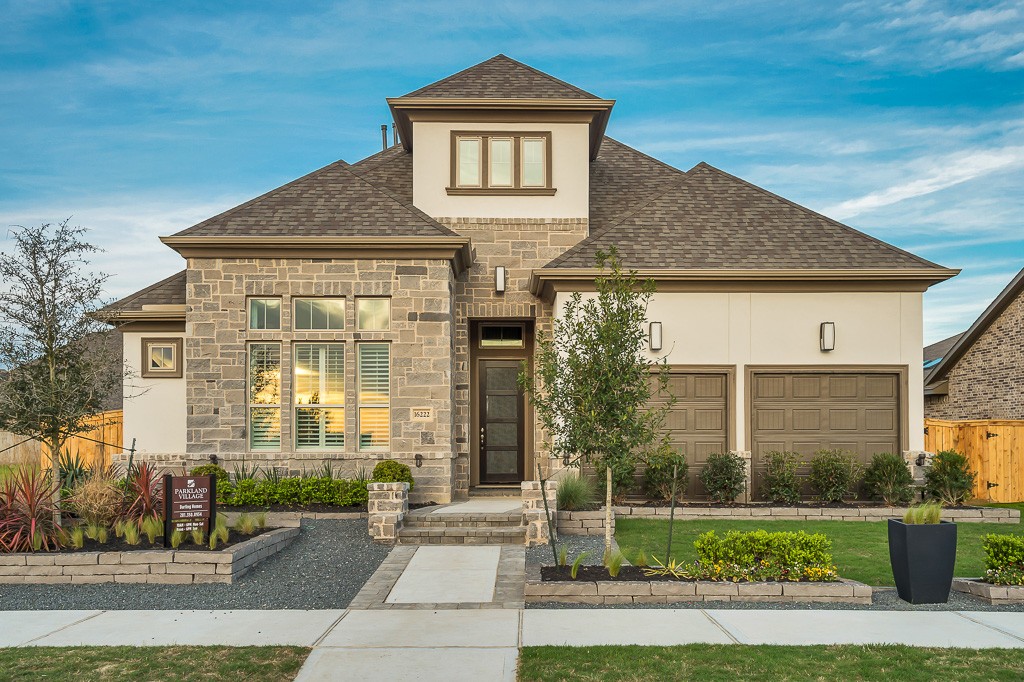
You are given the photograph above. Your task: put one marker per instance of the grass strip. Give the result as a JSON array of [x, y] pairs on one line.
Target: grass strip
[[860, 548], [735, 663], [152, 664]]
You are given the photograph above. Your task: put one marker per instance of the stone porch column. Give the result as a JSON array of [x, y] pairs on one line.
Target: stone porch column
[[387, 504], [534, 517]]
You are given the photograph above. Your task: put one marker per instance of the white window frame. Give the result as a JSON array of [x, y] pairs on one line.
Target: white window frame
[[543, 162], [250, 405], [249, 316], [359, 301], [481, 157], [323, 378], [511, 161], [360, 405], [313, 299]]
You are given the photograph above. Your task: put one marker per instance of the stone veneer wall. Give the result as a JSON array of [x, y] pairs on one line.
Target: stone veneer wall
[[520, 245], [422, 360], [988, 381]]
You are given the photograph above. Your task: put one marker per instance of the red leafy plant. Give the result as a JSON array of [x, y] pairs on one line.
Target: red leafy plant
[[145, 493], [27, 518]]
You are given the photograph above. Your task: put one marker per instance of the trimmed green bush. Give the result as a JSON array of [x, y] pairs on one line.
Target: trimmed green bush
[[575, 493], [658, 475], [1004, 559], [390, 471], [950, 479], [888, 478], [761, 555], [780, 482], [212, 470], [724, 476], [834, 475], [295, 491]]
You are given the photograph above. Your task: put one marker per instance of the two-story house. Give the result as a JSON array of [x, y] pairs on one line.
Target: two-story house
[[381, 309]]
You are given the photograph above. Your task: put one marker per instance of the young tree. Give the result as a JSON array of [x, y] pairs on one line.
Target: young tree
[[593, 380], [54, 379]]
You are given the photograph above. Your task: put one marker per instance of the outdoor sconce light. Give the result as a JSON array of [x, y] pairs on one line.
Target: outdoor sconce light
[[654, 335], [828, 336], [499, 279]]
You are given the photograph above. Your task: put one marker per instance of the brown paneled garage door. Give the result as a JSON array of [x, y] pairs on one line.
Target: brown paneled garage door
[[806, 412], [697, 423]]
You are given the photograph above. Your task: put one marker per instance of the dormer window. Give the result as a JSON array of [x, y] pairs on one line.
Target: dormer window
[[501, 163]]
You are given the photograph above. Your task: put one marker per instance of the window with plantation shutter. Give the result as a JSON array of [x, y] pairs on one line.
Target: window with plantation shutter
[[264, 389], [319, 394], [374, 371]]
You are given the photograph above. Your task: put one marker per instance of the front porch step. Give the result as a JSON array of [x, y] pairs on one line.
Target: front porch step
[[496, 491], [462, 520], [462, 535]]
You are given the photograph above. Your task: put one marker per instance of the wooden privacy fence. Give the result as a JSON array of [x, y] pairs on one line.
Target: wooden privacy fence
[[108, 429], [994, 448]]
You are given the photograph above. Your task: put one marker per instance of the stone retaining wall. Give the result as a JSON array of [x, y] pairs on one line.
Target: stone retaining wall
[[291, 519], [769, 513], [582, 523], [165, 566], [993, 594], [667, 592]]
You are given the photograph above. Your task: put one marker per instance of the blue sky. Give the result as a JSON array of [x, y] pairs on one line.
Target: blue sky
[[902, 119]]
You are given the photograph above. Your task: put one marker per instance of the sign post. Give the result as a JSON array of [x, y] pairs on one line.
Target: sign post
[[190, 503]]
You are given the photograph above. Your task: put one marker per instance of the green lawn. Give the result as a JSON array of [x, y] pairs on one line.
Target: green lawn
[[733, 663], [860, 548], [152, 664], [1019, 506]]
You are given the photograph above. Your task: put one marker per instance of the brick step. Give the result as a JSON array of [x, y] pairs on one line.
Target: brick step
[[462, 536], [496, 491], [463, 520]]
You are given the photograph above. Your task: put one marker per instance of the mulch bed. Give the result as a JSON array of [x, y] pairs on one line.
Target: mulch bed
[[115, 544], [600, 574]]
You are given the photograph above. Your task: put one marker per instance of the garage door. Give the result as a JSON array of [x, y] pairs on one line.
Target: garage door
[[806, 412], [698, 421]]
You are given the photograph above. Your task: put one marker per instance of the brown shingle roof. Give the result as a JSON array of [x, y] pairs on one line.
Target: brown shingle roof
[[709, 219], [938, 350], [501, 77], [333, 201], [170, 291], [390, 169]]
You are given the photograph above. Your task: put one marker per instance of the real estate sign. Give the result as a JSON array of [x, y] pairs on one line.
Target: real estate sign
[[190, 503]]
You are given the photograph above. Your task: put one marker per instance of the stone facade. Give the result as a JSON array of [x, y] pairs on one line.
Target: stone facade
[[386, 507], [520, 245], [535, 512], [421, 293], [988, 381]]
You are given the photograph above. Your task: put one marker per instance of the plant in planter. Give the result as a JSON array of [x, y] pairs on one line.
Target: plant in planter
[[390, 471], [922, 551]]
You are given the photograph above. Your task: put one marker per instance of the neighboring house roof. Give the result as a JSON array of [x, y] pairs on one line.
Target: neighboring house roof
[[935, 352], [958, 349], [710, 220], [169, 291], [333, 201], [501, 77]]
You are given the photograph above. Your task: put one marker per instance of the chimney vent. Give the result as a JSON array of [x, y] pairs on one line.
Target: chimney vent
[[384, 136]]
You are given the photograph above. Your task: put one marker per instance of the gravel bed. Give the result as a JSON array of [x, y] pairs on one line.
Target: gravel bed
[[592, 544], [323, 568]]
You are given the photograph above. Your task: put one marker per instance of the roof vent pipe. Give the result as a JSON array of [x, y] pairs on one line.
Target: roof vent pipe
[[394, 134], [384, 136]]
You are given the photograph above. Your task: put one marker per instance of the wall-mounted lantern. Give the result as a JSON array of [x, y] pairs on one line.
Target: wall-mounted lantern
[[654, 335], [499, 279], [827, 336]]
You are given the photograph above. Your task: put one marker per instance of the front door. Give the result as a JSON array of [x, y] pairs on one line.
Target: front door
[[501, 422]]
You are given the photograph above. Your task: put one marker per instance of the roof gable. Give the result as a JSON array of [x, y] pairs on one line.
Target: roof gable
[[1008, 295], [708, 219], [333, 201], [501, 77]]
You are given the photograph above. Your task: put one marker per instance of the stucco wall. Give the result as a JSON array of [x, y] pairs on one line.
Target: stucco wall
[[154, 409], [570, 174], [988, 381], [741, 329]]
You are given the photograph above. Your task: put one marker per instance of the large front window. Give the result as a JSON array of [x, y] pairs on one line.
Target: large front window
[[374, 395], [319, 390], [264, 396]]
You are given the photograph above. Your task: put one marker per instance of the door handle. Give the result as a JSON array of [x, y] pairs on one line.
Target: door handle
[[483, 438]]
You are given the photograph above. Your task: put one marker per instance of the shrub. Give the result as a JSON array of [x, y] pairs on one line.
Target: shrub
[[27, 513], [293, 492], [760, 555], [390, 471], [724, 476], [623, 477], [780, 482], [658, 476], [213, 470], [145, 493], [834, 475], [888, 478], [950, 479], [575, 493], [1004, 559], [97, 500]]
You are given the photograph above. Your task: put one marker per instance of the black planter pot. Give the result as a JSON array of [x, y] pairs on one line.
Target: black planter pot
[[922, 558]]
